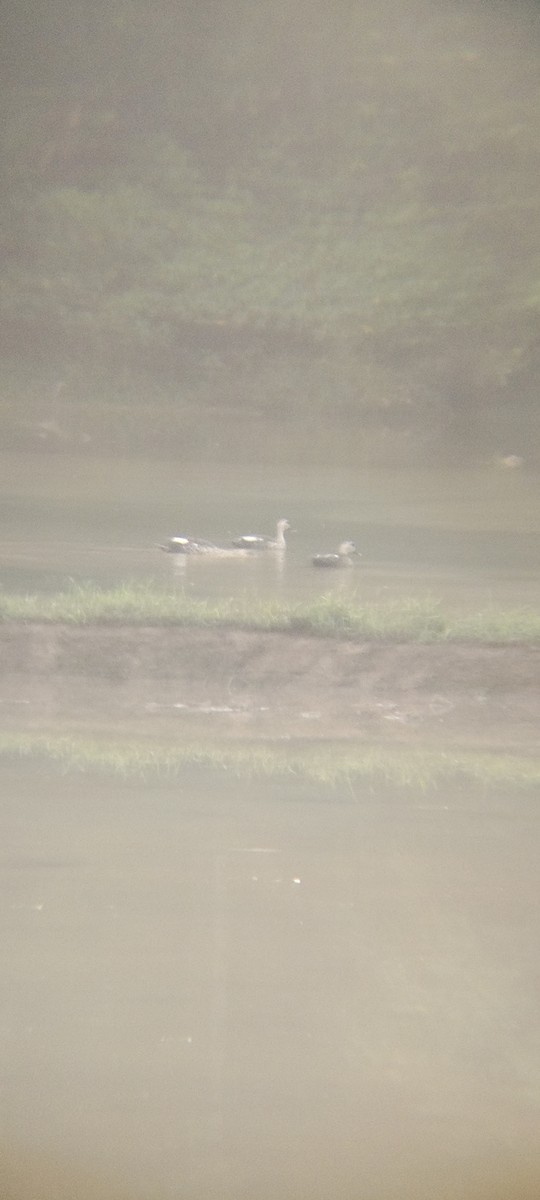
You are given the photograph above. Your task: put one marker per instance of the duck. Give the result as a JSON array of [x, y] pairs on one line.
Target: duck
[[197, 546], [257, 541], [185, 545], [341, 558]]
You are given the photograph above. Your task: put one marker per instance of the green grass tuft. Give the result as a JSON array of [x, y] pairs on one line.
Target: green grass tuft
[[399, 620], [333, 764]]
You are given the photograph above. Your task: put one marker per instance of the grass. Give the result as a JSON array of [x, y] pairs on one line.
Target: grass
[[333, 765], [400, 620]]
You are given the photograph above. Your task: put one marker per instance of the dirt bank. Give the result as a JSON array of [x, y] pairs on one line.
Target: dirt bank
[[270, 684]]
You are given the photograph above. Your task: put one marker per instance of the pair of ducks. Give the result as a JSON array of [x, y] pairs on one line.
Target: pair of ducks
[[244, 545], [241, 547]]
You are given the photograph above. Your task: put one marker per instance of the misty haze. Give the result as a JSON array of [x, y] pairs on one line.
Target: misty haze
[[269, 599]]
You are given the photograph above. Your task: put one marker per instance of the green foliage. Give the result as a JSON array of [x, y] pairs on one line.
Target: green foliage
[[279, 184], [403, 620], [331, 765]]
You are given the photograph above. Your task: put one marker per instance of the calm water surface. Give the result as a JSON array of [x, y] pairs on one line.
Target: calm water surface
[[256, 990], [466, 537], [259, 991]]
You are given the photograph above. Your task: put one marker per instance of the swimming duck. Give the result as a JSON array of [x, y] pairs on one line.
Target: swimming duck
[[185, 545], [197, 546], [342, 557], [257, 541]]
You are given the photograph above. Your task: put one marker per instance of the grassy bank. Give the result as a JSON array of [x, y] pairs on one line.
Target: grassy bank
[[332, 764], [400, 620]]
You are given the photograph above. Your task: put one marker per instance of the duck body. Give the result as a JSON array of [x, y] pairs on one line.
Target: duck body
[[196, 547], [258, 541], [341, 558], [185, 545]]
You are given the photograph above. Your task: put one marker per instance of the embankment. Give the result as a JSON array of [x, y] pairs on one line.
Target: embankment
[[266, 683]]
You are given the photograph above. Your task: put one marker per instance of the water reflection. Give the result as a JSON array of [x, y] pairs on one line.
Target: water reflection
[[256, 573], [468, 537], [244, 989]]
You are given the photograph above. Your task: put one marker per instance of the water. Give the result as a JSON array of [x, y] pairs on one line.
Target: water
[[469, 538], [228, 989], [243, 991]]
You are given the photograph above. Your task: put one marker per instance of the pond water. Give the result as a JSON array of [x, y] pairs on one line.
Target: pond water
[[229, 989], [243, 991], [470, 538]]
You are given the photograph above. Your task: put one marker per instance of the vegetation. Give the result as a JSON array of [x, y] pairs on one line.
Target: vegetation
[[274, 213], [401, 620], [330, 764]]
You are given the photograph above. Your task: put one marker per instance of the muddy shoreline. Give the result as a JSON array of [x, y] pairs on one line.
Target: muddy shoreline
[[249, 683]]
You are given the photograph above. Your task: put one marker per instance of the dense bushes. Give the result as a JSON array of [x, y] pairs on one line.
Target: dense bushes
[[264, 208]]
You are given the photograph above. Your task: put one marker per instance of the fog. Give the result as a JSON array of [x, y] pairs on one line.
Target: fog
[[268, 989], [269, 934], [282, 219]]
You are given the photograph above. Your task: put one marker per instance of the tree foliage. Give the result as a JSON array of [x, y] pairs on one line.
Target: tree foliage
[[244, 190]]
